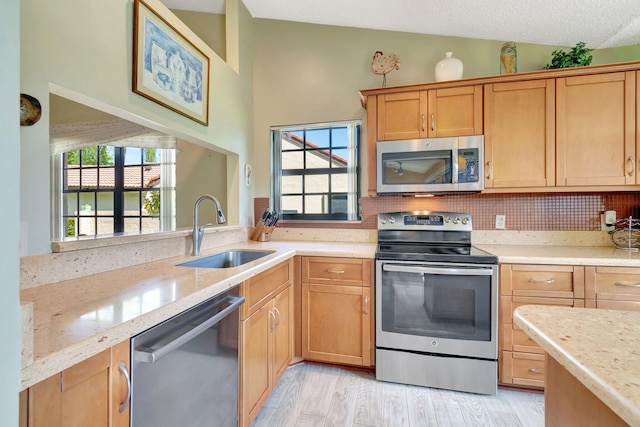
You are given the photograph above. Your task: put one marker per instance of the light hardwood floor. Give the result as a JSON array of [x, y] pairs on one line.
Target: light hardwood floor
[[314, 395]]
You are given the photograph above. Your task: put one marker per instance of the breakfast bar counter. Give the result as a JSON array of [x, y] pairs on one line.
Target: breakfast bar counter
[[592, 364]]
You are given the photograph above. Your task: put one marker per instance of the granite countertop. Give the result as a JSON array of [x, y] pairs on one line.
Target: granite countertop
[[76, 319], [601, 348], [566, 255]]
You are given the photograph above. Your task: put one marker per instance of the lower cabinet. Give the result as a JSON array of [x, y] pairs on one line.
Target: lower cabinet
[[615, 288], [337, 310], [521, 360], [92, 393], [266, 335]]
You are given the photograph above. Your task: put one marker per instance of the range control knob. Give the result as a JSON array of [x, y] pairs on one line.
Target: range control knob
[[447, 219], [455, 219], [465, 220], [392, 220], [383, 220]]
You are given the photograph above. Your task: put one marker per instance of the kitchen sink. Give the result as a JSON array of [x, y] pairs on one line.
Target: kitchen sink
[[227, 259]]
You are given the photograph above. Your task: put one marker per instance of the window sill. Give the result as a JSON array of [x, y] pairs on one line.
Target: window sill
[[92, 242]]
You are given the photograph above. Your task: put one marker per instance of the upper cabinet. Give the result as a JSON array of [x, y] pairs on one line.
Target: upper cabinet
[[519, 126], [430, 113], [573, 129], [595, 130]]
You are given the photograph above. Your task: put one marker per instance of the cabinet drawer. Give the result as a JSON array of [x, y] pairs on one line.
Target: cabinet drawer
[[525, 369], [613, 283], [557, 281], [337, 271], [262, 287], [515, 339]]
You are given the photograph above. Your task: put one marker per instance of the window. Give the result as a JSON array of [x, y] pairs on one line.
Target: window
[[315, 171], [108, 190]]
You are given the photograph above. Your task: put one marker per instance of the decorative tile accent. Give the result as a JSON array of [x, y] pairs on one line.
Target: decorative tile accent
[[523, 211]]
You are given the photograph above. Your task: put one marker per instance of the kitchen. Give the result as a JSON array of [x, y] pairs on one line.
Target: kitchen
[[41, 64]]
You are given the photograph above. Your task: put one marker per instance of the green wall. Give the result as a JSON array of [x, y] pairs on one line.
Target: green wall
[[306, 73], [82, 50], [10, 360]]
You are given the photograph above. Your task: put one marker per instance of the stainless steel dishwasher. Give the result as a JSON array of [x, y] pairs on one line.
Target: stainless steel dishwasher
[[184, 371]]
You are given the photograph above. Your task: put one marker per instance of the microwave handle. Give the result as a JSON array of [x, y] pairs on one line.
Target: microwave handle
[[439, 270]]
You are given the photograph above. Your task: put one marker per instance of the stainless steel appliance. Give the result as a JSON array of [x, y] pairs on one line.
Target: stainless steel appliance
[[436, 303], [434, 165], [184, 371]]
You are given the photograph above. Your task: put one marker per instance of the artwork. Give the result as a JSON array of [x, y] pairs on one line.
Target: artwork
[[168, 68]]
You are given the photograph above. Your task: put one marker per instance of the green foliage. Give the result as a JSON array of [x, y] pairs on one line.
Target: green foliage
[[150, 155], [578, 56], [151, 203], [71, 227], [90, 156]]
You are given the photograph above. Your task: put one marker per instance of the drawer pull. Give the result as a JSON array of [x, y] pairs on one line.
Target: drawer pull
[[631, 163], [334, 271], [536, 371], [632, 285], [366, 305], [423, 125], [548, 281]]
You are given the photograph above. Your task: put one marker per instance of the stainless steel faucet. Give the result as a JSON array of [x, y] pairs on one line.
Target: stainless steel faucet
[[199, 232]]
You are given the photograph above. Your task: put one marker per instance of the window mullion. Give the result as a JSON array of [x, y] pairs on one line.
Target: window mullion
[[118, 191]]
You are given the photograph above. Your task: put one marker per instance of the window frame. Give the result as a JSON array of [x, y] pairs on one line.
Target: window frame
[[167, 194], [351, 170]]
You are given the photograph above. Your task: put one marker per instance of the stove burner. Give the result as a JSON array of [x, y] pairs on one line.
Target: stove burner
[[428, 236]]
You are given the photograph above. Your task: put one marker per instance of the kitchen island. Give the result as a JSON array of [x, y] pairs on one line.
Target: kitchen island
[[592, 363]]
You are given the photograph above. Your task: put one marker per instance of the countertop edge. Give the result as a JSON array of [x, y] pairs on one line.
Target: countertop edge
[[627, 410]]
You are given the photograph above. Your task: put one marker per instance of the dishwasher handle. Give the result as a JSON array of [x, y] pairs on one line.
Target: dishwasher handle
[[151, 356], [438, 270]]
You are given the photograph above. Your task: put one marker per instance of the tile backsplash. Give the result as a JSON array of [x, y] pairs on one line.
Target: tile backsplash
[[523, 211]]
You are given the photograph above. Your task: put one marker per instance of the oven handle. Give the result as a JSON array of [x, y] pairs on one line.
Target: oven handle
[[439, 270], [151, 356]]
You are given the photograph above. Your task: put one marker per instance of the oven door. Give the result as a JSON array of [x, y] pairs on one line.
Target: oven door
[[448, 309]]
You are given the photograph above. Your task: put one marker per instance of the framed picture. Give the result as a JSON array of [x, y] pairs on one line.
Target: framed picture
[[168, 68]]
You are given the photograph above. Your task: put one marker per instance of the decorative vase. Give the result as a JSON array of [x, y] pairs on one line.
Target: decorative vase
[[508, 58], [449, 68]]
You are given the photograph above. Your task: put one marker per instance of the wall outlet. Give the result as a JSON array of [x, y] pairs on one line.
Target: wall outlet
[[501, 221], [607, 220]]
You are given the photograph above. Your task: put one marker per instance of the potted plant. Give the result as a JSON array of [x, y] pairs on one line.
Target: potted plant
[[578, 56]]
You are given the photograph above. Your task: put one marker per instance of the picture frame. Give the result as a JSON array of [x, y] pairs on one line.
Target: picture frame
[[167, 67]]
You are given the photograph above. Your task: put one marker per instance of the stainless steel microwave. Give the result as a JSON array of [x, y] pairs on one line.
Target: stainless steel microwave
[[429, 166]]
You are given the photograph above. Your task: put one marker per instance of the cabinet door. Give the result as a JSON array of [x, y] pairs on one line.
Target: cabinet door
[[336, 322], [78, 396], [254, 364], [402, 116], [120, 386], [282, 332], [454, 112], [595, 130], [519, 129]]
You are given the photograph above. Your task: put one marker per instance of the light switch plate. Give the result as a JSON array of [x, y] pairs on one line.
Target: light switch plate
[[501, 222]]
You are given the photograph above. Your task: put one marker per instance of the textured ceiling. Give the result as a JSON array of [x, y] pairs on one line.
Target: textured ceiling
[[599, 23]]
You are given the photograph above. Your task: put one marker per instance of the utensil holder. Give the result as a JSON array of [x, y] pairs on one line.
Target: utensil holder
[[262, 233]]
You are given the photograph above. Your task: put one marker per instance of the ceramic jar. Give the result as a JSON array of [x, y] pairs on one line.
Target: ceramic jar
[[449, 68]]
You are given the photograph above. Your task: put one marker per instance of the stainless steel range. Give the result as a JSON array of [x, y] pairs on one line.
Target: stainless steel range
[[436, 303]]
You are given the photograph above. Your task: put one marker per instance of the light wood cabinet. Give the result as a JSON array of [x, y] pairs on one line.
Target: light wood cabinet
[[616, 288], [521, 360], [337, 310], [596, 130], [91, 393], [266, 335], [519, 131], [430, 113]]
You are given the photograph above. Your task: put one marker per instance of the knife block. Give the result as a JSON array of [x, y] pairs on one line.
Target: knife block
[[262, 233]]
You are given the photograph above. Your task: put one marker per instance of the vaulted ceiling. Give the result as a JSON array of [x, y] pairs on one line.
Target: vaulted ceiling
[[599, 23]]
